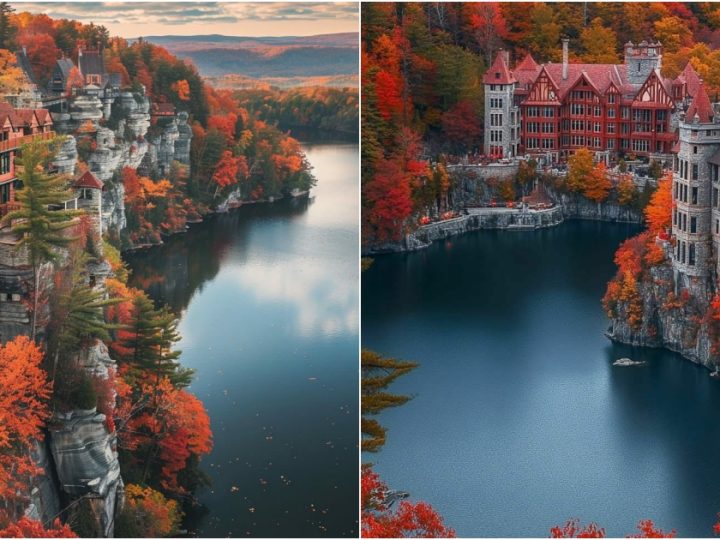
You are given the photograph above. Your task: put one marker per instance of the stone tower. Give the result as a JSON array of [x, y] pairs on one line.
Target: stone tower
[[502, 115], [696, 213], [641, 60]]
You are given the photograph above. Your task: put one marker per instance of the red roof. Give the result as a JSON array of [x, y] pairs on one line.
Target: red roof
[[701, 107], [88, 180], [499, 73], [692, 79], [528, 64]]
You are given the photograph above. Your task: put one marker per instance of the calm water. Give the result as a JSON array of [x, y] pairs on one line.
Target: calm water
[[268, 300], [519, 421]]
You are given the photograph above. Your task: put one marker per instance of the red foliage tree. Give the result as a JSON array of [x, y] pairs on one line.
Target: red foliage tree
[[573, 529], [461, 124], [408, 520], [389, 202], [227, 170], [30, 528], [42, 52]]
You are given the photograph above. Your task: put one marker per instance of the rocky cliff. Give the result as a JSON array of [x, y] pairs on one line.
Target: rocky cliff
[[673, 312], [122, 139]]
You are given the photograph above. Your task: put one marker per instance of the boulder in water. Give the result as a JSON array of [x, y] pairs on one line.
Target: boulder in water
[[624, 362]]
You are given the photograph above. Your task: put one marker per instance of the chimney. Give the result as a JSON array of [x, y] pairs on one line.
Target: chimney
[[565, 42], [506, 57]]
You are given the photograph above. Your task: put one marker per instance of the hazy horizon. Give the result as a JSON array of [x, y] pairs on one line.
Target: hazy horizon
[[235, 19]]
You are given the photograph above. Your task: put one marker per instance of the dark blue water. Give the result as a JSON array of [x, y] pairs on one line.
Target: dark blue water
[[268, 298], [519, 421]]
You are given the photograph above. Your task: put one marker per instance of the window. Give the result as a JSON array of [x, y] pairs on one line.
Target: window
[[684, 222], [715, 197], [693, 224], [549, 112], [611, 112], [714, 171], [5, 163], [611, 128], [496, 103], [598, 111], [496, 119], [694, 195], [596, 127], [640, 145], [691, 254], [611, 99], [695, 171]]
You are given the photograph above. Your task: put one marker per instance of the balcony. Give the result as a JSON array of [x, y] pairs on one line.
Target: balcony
[[13, 144]]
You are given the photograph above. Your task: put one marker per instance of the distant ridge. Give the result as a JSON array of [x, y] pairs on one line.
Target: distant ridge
[[290, 57]]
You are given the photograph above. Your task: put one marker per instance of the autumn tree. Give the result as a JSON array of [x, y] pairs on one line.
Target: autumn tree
[[544, 34], [599, 43], [597, 184], [74, 81], [388, 201], [626, 190], [673, 33], [24, 394], [165, 429], [42, 52], [580, 167], [658, 213], [226, 172], [39, 228], [407, 520], [574, 529], [462, 126], [12, 78], [30, 528], [147, 514], [378, 373], [182, 89]]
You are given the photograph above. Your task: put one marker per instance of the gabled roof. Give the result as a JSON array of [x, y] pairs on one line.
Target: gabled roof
[[23, 117], [528, 64], [691, 78], [701, 107], [88, 180], [499, 73], [64, 65]]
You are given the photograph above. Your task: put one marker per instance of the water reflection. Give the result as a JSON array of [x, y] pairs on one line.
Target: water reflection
[[268, 298]]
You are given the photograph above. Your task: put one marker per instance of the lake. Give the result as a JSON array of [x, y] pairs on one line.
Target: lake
[[268, 300], [518, 420]]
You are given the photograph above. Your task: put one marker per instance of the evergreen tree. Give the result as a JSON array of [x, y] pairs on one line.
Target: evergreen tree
[[150, 339], [378, 373], [7, 30], [40, 229]]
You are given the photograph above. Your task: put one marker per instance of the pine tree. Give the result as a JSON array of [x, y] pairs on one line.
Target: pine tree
[[40, 228], [149, 340], [7, 30], [378, 373]]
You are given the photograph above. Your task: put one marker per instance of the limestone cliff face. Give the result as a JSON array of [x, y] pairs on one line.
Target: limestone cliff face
[[673, 315], [130, 144], [84, 453]]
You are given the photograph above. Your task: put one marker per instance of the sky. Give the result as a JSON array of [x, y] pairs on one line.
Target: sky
[[135, 19]]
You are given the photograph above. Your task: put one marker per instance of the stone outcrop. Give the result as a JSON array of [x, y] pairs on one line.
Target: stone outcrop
[[84, 452], [83, 108], [67, 155], [136, 114], [673, 309]]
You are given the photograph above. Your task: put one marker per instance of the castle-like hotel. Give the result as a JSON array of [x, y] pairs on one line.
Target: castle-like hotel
[[550, 110]]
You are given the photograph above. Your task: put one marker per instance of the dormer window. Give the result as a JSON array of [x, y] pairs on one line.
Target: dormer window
[[497, 74]]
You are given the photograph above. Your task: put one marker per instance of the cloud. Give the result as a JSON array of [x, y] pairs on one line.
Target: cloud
[[192, 13]]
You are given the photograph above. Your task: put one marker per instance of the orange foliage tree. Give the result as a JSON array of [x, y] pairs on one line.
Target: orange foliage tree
[[182, 89], [658, 213], [152, 514], [167, 426], [597, 185], [24, 393]]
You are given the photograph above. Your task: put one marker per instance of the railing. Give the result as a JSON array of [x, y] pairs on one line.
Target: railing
[[13, 144]]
